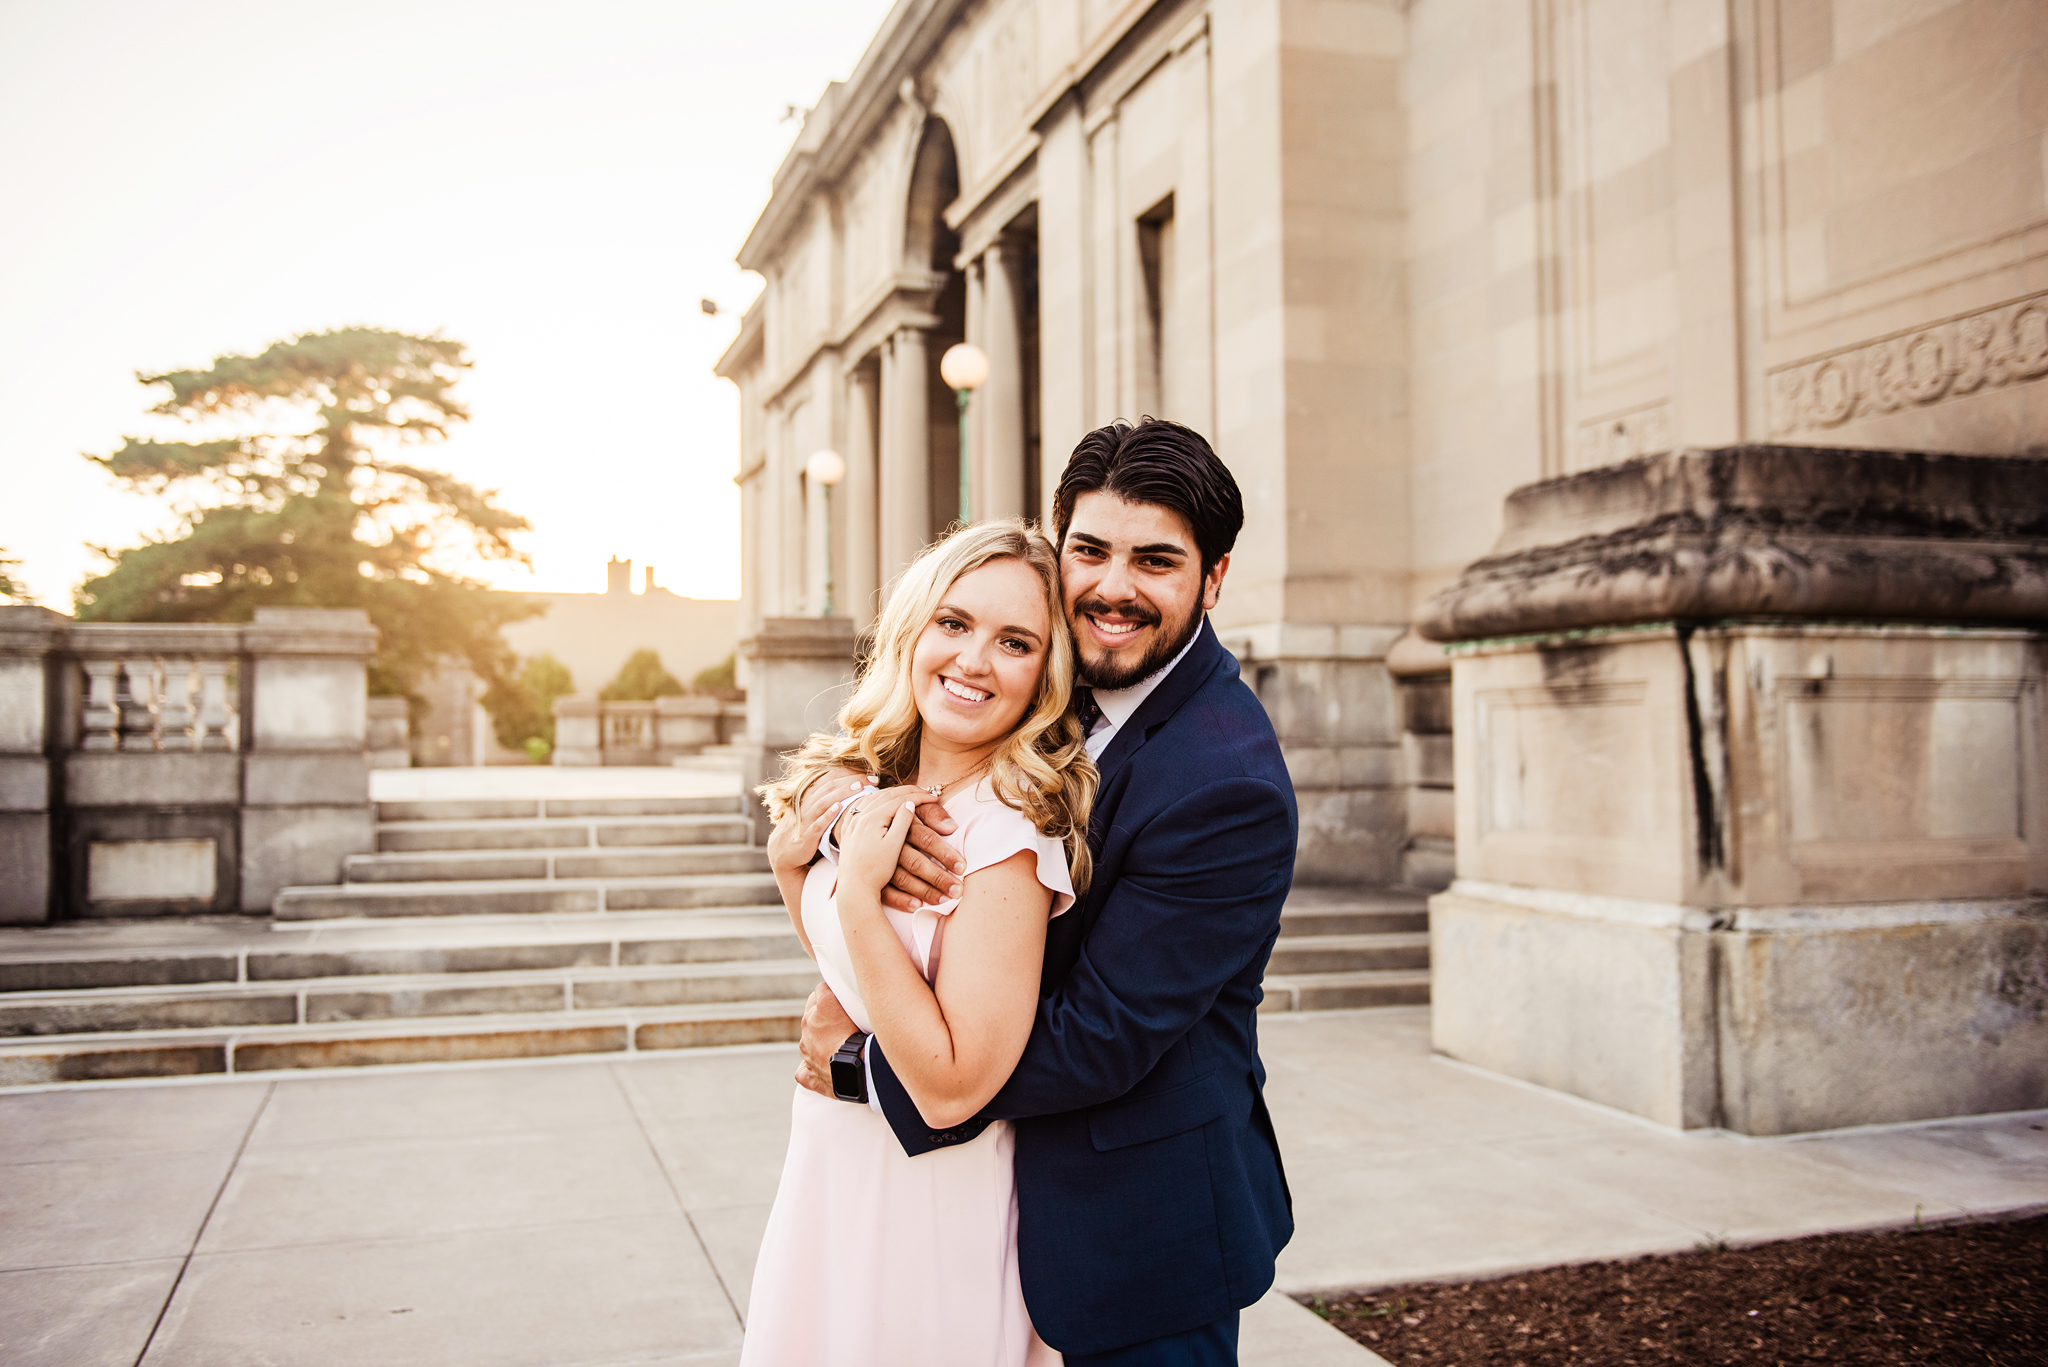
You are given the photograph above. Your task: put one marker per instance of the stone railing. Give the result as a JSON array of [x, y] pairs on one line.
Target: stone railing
[[149, 768], [589, 732]]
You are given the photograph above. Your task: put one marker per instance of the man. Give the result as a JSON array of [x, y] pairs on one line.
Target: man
[[1150, 1193]]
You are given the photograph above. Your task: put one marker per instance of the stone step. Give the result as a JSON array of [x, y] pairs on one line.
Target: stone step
[[183, 1053], [484, 865], [327, 1001], [1352, 921], [503, 897], [1342, 991], [552, 833], [492, 809], [1312, 954], [229, 950]]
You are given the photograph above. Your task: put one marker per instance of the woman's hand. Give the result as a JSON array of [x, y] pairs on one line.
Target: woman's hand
[[793, 843], [871, 839]]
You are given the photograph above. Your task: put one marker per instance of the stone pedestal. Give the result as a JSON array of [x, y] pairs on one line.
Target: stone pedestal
[[1758, 858], [799, 672], [1332, 704], [579, 739], [685, 725], [28, 635], [305, 801], [390, 741]]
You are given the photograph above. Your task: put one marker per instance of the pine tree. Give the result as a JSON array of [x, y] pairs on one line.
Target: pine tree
[[315, 505]]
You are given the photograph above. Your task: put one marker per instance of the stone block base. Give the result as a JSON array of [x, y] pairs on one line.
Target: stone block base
[[287, 846], [25, 855], [1772, 1021]]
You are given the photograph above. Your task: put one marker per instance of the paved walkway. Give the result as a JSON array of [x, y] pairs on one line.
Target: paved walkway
[[586, 1214]]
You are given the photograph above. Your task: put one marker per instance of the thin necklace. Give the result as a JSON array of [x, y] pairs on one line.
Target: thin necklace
[[938, 790]]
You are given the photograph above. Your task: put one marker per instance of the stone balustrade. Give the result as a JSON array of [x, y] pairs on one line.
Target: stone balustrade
[[151, 768], [589, 732]]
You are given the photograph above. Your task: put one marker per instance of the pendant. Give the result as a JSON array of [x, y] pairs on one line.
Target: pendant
[[936, 789]]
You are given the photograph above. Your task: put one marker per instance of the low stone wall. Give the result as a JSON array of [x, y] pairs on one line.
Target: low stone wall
[[161, 769]]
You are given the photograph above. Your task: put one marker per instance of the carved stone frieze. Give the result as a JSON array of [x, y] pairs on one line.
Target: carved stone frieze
[[1998, 346]]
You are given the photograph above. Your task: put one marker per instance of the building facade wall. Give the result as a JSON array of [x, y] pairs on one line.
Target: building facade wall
[[1395, 260]]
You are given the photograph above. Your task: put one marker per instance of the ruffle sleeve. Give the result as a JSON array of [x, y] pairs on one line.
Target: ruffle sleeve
[[991, 832]]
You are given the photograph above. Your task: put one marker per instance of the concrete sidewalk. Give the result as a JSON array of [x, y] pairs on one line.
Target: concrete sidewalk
[[600, 1213]]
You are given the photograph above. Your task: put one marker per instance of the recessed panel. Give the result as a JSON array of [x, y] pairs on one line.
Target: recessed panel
[[151, 870]]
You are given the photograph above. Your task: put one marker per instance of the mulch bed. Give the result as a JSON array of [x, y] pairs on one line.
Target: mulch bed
[[1975, 1294]]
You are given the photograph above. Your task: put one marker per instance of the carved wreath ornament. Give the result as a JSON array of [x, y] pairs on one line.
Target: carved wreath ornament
[[2000, 346]]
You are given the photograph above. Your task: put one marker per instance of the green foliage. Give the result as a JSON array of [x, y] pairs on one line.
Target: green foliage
[[641, 679], [315, 506], [522, 706], [11, 589], [720, 675]]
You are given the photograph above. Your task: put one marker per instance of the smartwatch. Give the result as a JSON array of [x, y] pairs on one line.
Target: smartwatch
[[849, 1074]]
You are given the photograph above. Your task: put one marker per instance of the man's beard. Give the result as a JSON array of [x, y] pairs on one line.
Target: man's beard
[[1110, 676]]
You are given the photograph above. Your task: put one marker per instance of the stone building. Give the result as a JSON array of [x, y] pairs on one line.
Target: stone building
[[1728, 739]]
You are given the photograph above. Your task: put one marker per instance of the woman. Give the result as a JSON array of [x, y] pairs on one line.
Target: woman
[[871, 1257]]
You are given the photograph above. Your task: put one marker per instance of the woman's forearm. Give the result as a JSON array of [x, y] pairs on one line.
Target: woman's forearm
[[790, 883], [906, 1016]]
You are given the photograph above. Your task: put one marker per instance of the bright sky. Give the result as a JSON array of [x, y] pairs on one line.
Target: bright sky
[[554, 185]]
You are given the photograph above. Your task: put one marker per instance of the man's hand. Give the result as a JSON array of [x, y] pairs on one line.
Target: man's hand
[[826, 1026], [927, 871]]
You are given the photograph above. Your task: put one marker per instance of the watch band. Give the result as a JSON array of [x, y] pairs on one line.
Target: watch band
[[849, 1070]]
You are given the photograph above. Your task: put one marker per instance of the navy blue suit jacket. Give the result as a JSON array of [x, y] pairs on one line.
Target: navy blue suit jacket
[[1150, 1194]]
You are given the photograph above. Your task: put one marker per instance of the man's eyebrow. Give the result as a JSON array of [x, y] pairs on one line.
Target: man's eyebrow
[[1152, 548]]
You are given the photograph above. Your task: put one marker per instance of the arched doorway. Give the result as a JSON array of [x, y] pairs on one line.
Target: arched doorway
[[930, 245]]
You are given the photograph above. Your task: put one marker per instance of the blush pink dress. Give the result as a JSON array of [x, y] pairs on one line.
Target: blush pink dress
[[873, 1258]]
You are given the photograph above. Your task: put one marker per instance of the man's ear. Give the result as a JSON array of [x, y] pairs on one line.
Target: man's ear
[[1212, 586]]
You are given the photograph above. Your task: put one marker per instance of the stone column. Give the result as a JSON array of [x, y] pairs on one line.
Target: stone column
[[856, 497], [28, 636], [1000, 430], [906, 454], [579, 738], [1751, 766], [976, 416], [306, 773], [800, 669]]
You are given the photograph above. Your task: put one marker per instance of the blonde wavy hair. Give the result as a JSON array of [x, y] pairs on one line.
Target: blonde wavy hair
[[1040, 769]]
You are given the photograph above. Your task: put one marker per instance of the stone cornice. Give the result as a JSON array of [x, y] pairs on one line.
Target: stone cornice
[[328, 632], [1783, 532]]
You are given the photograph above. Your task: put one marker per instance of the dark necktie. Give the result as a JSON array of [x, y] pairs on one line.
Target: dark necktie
[[1085, 710]]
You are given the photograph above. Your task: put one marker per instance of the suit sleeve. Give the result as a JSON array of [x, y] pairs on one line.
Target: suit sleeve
[[1198, 899]]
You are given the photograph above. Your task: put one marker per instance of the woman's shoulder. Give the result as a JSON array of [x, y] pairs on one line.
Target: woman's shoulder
[[990, 830]]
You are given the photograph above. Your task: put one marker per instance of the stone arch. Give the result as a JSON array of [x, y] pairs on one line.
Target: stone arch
[[928, 243]]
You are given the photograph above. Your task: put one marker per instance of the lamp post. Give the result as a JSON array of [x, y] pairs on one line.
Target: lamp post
[[827, 468], [964, 367]]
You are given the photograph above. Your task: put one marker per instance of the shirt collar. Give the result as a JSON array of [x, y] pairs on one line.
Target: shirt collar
[[1118, 704]]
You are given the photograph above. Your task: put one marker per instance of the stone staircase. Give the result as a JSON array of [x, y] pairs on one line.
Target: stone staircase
[[499, 928]]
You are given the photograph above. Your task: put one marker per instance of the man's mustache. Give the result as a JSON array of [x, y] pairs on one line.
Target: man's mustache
[[1131, 613]]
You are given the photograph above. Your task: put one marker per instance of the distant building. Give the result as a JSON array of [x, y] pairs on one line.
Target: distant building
[[591, 633]]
